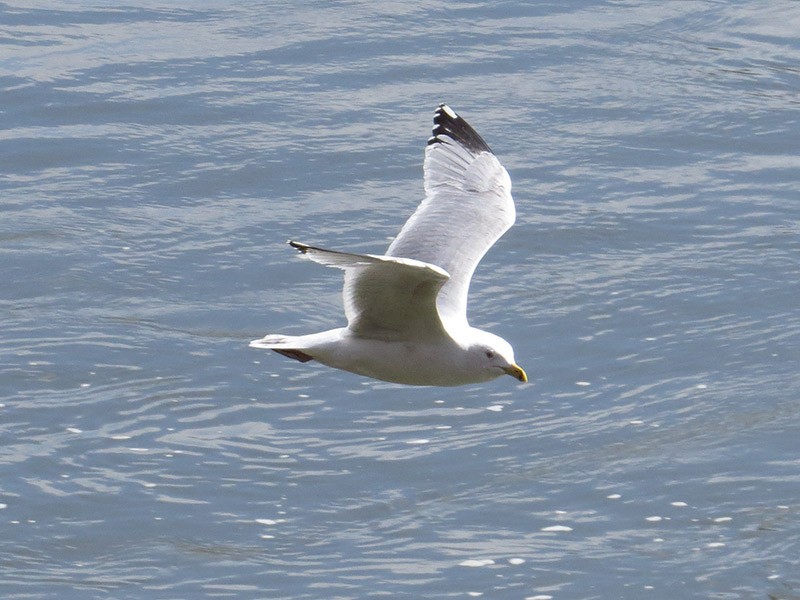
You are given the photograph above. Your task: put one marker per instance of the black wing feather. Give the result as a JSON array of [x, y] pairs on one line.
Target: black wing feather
[[447, 123]]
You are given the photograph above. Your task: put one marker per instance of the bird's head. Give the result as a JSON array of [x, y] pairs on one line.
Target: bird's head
[[495, 356]]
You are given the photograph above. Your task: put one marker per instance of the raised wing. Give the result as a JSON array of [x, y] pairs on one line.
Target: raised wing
[[467, 207], [384, 297]]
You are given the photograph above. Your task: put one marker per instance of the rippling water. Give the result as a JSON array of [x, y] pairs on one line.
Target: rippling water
[[153, 160]]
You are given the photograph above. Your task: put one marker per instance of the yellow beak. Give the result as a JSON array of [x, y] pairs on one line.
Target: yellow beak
[[517, 372]]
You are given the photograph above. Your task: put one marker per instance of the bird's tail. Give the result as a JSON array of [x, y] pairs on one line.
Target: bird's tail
[[283, 344]]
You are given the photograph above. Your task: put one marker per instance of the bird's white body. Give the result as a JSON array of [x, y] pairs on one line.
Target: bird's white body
[[444, 361], [407, 311]]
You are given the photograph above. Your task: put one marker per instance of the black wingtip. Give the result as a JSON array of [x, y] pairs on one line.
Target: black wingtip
[[446, 122], [302, 248]]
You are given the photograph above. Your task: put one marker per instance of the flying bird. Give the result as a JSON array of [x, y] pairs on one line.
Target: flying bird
[[407, 310]]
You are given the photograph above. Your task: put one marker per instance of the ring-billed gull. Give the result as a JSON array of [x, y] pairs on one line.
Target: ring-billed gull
[[407, 311]]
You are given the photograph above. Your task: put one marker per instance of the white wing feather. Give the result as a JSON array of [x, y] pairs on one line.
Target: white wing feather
[[467, 207], [385, 297]]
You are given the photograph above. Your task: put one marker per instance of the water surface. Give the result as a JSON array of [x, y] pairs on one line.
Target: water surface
[[153, 160]]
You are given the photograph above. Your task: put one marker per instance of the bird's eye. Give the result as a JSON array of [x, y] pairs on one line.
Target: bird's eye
[[489, 354]]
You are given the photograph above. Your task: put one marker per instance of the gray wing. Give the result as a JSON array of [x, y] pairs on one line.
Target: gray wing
[[386, 298], [467, 207]]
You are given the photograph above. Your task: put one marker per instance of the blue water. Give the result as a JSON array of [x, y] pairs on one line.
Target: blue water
[[153, 160]]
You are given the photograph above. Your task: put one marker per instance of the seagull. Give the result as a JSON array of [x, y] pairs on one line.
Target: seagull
[[407, 310]]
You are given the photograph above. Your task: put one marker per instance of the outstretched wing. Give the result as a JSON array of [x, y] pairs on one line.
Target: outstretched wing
[[385, 297], [467, 207]]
